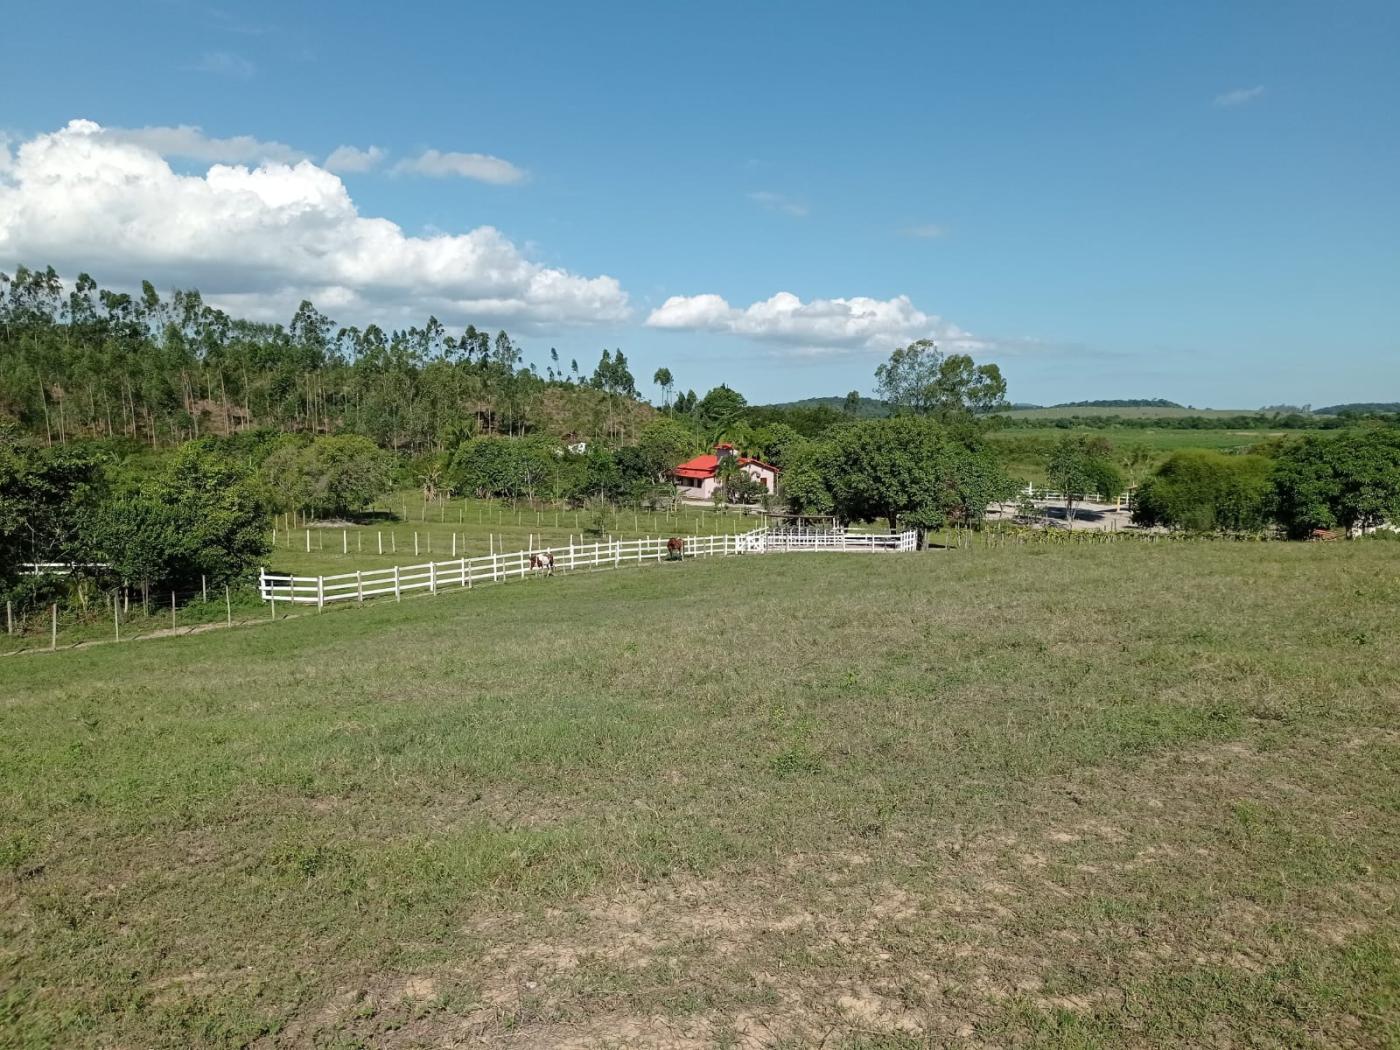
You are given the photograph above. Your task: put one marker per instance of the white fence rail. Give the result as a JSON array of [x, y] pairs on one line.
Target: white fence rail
[[497, 568], [839, 540]]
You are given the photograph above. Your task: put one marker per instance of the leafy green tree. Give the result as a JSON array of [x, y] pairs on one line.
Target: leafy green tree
[[340, 474], [1200, 491], [667, 442], [42, 493], [919, 379], [906, 467], [202, 514], [1080, 466], [347, 473], [1350, 480], [720, 408]]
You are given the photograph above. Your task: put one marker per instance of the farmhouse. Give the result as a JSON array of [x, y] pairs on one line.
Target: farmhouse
[[699, 477]]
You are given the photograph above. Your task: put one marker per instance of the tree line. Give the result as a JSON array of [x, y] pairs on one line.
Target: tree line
[[1348, 481], [80, 362]]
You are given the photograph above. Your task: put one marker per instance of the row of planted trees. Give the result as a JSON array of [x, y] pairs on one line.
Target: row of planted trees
[[78, 361]]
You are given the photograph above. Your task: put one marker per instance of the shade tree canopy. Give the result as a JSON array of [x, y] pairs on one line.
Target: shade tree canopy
[[921, 380]]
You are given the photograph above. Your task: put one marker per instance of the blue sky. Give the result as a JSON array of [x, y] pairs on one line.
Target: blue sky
[[1195, 201]]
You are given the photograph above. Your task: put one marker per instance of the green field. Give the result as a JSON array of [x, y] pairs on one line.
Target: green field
[[479, 527], [1123, 795], [1028, 448], [1130, 412]]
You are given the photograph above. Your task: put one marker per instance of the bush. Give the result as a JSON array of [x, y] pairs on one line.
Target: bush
[[1202, 491]]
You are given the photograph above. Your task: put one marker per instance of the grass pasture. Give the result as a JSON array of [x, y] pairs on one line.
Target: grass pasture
[[1127, 412], [1026, 450], [1123, 795], [477, 525]]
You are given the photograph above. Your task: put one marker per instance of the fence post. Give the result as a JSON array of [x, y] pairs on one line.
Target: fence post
[[359, 587], [116, 618], [466, 580], [172, 610], [320, 593], [228, 606], [344, 541], [496, 567], [398, 596], [53, 626], [432, 577], [9, 618], [203, 587], [415, 543], [381, 541], [308, 541]]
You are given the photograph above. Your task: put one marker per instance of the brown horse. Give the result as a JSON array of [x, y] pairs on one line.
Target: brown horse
[[542, 562], [675, 549]]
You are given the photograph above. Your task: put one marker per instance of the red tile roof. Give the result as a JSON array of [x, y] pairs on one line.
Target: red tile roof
[[707, 466]]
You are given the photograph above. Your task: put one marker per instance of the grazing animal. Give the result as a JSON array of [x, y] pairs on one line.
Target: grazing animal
[[542, 562], [675, 548]]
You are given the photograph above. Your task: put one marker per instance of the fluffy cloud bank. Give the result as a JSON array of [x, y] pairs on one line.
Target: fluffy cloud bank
[[857, 323], [261, 238]]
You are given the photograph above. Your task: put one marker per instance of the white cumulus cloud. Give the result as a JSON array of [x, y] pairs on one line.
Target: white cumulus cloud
[[261, 238], [856, 323], [352, 159], [480, 166], [1240, 96]]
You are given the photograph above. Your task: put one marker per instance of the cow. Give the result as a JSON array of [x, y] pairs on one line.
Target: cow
[[542, 563]]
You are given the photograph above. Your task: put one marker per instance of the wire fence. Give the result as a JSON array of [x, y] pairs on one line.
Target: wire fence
[[88, 614]]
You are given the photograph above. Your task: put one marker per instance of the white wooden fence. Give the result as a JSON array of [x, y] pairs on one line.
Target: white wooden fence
[[838, 540], [497, 568]]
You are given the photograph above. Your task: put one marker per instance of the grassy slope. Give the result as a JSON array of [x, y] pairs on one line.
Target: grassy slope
[[1121, 795]]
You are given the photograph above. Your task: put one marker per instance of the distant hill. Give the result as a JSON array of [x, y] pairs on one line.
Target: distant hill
[[1359, 406], [866, 407], [1125, 402]]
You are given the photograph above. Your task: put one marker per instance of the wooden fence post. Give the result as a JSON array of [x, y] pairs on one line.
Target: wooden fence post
[[432, 577], [9, 618], [381, 541], [415, 544], [320, 593], [53, 626], [228, 607], [203, 587], [116, 618], [308, 541], [398, 595], [359, 587], [344, 541]]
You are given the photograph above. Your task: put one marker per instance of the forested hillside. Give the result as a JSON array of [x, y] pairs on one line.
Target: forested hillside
[[82, 361]]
